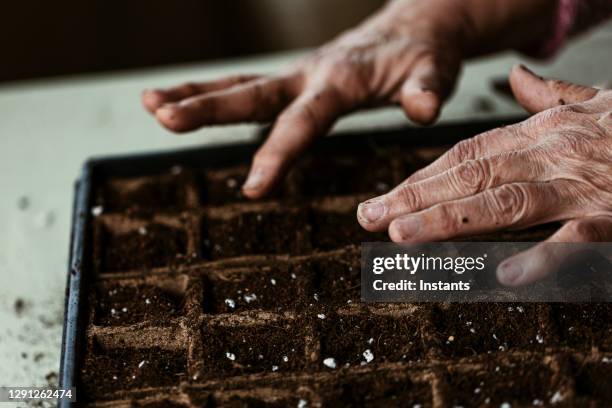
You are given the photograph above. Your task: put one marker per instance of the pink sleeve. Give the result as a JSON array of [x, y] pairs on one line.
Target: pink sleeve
[[565, 18]]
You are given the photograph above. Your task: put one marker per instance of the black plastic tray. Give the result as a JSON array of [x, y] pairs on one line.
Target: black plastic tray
[[145, 163]]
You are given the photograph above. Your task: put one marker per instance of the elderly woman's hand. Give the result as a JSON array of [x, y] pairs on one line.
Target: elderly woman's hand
[[408, 54], [555, 166]]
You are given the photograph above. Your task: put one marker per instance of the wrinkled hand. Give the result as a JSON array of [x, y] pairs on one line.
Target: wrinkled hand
[[408, 54], [555, 166]]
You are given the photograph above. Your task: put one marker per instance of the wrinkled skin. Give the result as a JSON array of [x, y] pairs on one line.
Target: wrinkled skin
[[555, 166], [407, 54]]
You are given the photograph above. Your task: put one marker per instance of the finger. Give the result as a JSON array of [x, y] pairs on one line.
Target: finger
[[536, 94], [152, 99], [517, 205], [545, 258], [309, 116], [256, 101], [428, 85], [464, 180], [489, 143]]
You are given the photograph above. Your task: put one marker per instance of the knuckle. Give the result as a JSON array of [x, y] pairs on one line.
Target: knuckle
[[410, 198], [472, 176], [557, 115], [464, 150], [508, 203]]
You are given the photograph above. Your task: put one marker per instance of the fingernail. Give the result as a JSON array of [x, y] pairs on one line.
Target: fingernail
[[409, 226], [255, 180], [510, 272], [371, 211]]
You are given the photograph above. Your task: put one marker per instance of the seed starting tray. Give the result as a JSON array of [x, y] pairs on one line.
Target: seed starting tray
[[181, 293]]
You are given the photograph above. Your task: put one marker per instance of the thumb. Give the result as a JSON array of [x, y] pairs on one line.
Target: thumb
[[536, 94]]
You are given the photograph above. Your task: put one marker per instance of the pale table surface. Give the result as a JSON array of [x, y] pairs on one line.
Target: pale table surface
[[49, 127]]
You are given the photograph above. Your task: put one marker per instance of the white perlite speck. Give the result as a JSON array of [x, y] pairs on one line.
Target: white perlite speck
[[505, 405], [368, 355], [147, 302], [539, 338], [285, 359], [371, 340], [250, 298], [302, 403], [556, 398], [273, 281], [321, 316], [330, 362], [142, 230], [230, 303], [141, 364], [274, 368], [97, 211], [231, 356], [231, 182]]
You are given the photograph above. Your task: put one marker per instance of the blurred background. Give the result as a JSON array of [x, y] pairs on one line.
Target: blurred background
[[50, 38]]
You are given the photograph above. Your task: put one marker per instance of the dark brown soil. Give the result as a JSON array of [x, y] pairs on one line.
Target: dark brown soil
[[331, 230], [350, 338], [337, 278], [249, 233], [119, 305], [199, 297], [109, 371], [472, 329], [219, 187], [592, 381], [395, 390], [146, 195], [326, 175], [518, 384], [253, 348], [585, 326], [155, 245], [275, 288]]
